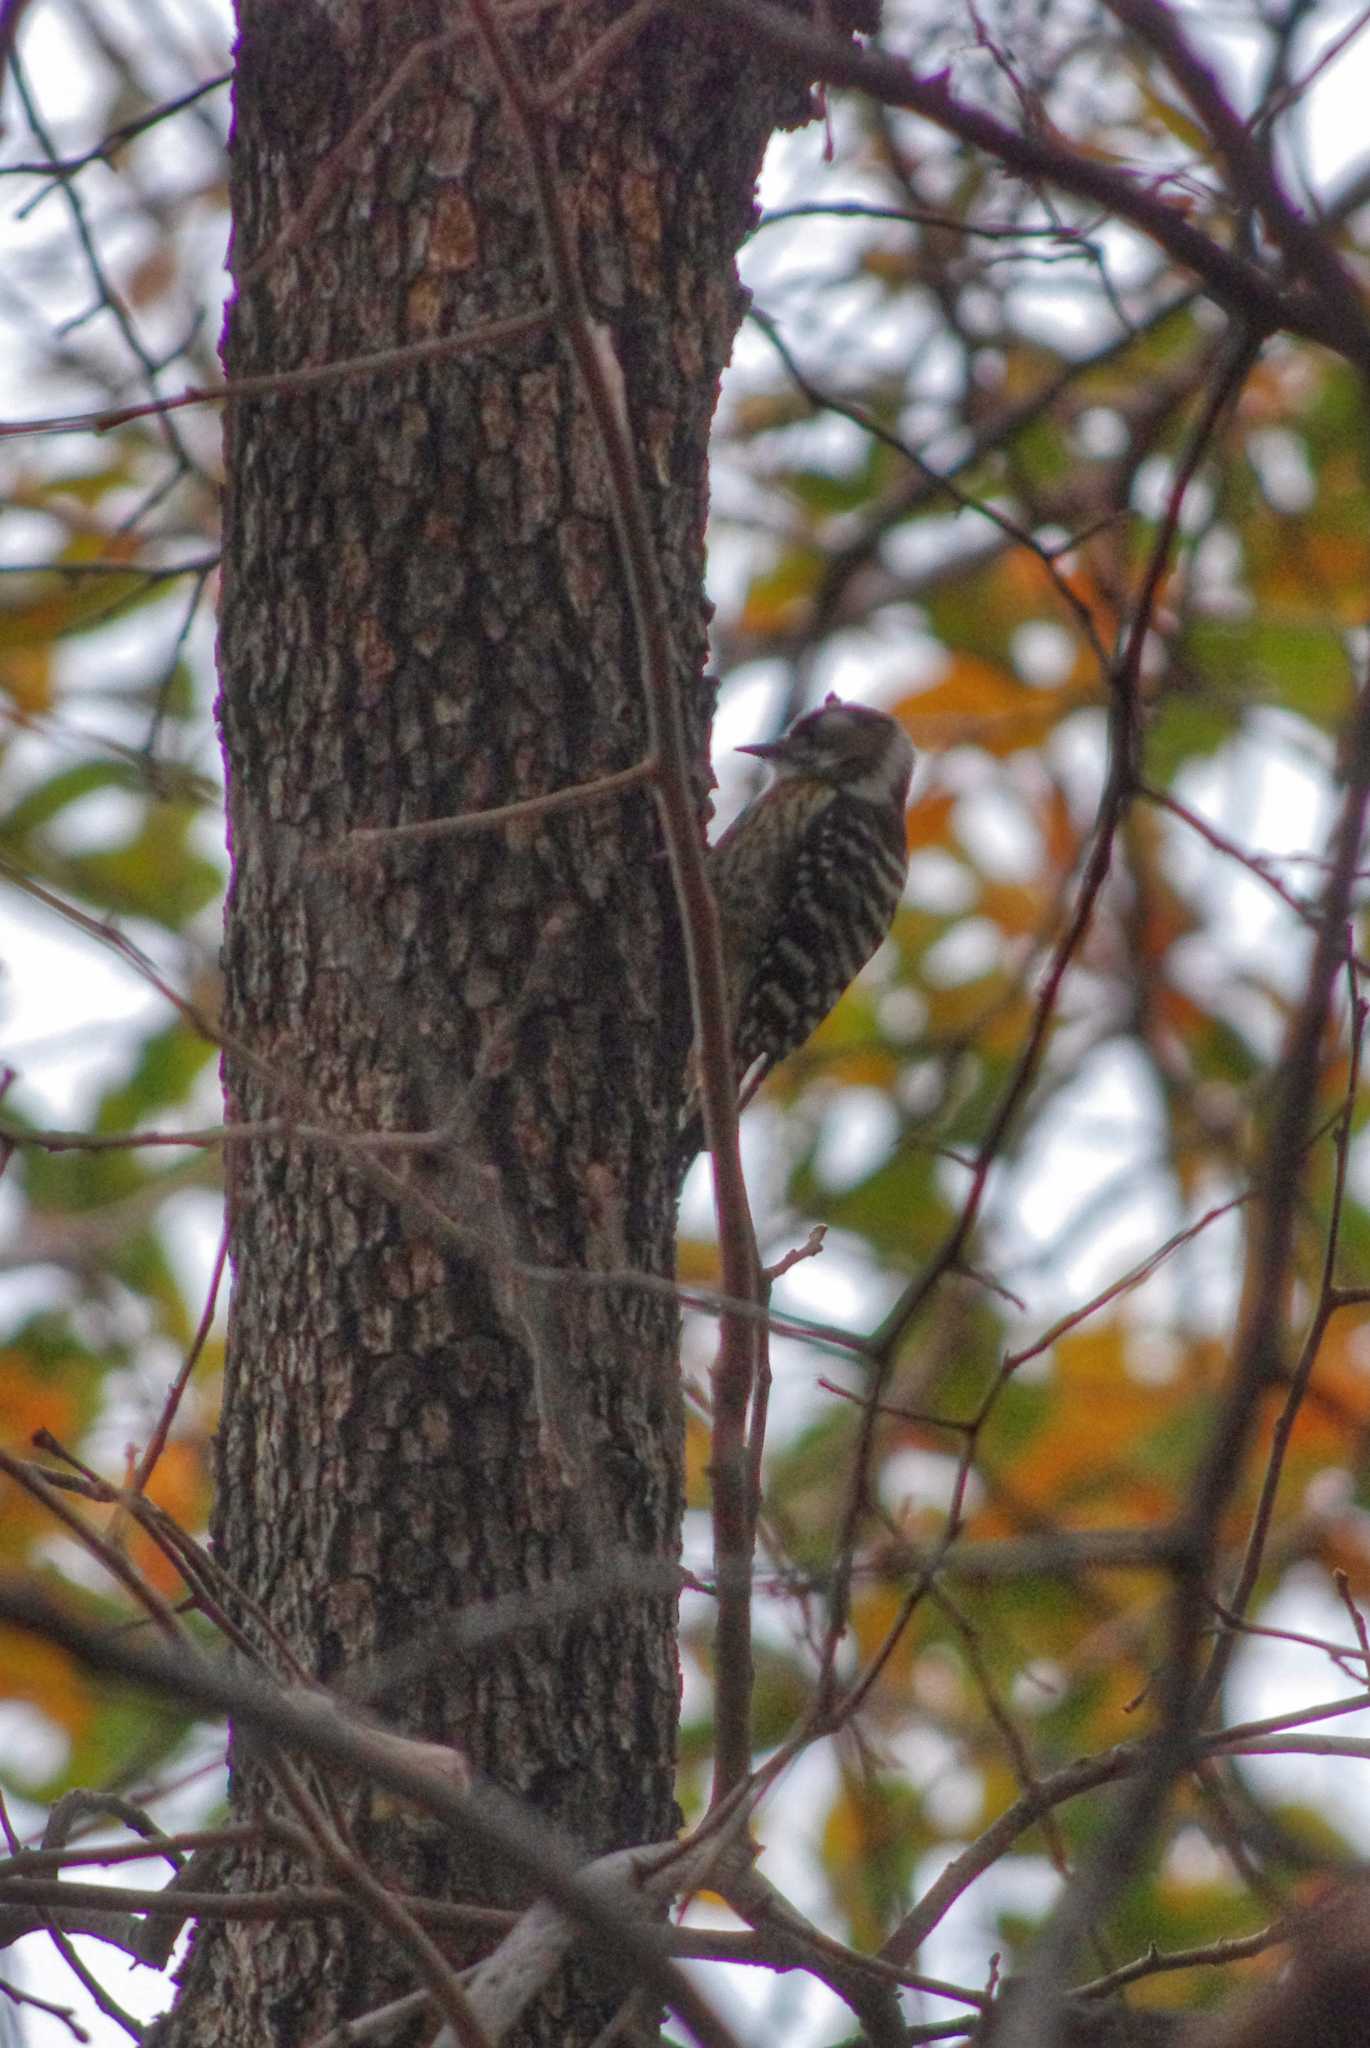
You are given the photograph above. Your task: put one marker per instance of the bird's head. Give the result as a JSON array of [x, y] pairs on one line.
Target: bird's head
[[862, 752]]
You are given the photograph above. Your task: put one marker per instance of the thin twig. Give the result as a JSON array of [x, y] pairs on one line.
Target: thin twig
[[1326, 1306], [1259, 304], [286, 383], [499, 815], [157, 1441], [61, 168], [491, 1824]]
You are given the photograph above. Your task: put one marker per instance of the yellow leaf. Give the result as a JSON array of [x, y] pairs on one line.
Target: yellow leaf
[[855, 1066], [696, 1262], [1176, 121], [779, 600], [964, 1008], [698, 1451]]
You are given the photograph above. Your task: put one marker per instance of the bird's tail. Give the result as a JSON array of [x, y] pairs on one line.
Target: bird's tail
[[689, 1141], [690, 1132]]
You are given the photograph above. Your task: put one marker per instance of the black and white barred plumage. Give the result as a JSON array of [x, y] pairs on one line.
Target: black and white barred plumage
[[807, 880]]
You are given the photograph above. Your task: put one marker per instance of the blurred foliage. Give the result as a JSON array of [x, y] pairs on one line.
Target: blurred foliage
[[944, 457], [111, 837]]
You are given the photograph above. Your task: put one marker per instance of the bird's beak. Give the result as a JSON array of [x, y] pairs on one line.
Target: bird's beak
[[765, 750]]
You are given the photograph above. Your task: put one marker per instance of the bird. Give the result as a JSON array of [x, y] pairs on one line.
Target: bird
[[807, 880]]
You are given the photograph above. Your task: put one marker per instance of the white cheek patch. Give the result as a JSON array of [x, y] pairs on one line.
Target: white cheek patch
[[878, 785], [886, 778]]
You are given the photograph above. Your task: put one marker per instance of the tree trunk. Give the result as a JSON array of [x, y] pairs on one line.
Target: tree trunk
[[423, 614]]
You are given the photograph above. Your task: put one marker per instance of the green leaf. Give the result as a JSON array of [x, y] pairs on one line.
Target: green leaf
[[168, 1065], [154, 874], [40, 805], [1185, 729]]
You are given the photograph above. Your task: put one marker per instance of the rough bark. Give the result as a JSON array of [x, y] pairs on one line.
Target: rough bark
[[422, 615]]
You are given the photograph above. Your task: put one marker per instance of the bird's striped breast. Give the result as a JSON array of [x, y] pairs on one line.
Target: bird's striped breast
[[837, 894]]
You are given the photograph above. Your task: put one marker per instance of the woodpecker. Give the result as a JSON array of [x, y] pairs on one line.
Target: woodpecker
[[807, 881]]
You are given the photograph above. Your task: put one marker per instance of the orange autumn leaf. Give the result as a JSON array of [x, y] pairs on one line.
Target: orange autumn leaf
[[1335, 1410], [1100, 1417], [31, 1400], [1030, 589], [180, 1486], [45, 1677], [1323, 578], [27, 677], [1164, 921], [873, 1613], [1276, 386], [1018, 908], [1002, 1032], [981, 703], [1178, 1013], [23, 1521], [928, 822], [179, 1482], [1060, 837]]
